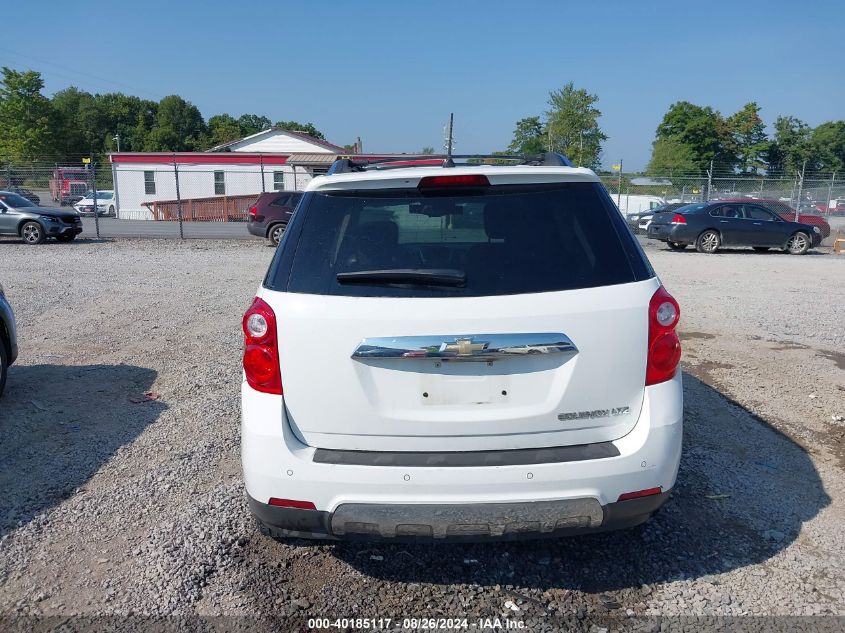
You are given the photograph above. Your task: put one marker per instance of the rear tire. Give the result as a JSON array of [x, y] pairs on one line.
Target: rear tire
[[32, 233], [761, 249], [274, 235], [676, 246], [708, 242], [798, 244]]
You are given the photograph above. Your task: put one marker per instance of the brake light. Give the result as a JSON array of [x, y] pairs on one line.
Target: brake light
[[664, 346], [261, 348], [678, 219], [292, 503], [253, 211], [648, 492], [466, 180]]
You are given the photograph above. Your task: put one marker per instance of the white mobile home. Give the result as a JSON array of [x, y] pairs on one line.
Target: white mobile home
[[271, 160]]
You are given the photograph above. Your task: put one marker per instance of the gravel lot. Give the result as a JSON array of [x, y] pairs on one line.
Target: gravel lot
[[109, 506]]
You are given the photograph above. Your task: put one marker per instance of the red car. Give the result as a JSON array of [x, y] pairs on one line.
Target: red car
[[787, 213]]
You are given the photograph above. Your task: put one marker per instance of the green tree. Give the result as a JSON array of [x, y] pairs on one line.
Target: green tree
[[791, 147], [669, 157], [252, 123], [572, 125], [223, 128], [529, 137], [828, 142], [750, 140], [427, 150], [129, 117], [295, 126], [702, 131], [179, 127], [27, 122], [79, 124]]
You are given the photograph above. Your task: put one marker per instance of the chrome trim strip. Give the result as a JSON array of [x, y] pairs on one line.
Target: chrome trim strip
[[510, 457], [465, 347]]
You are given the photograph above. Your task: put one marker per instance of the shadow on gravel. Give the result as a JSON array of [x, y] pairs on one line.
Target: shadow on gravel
[[744, 489], [739, 250], [79, 240], [59, 424]]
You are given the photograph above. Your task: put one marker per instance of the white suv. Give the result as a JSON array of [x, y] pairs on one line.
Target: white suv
[[469, 351]]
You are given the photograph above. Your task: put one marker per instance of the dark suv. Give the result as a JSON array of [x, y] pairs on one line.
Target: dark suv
[[270, 214]]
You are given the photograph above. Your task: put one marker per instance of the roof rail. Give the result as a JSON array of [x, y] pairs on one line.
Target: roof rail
[[348, 164]]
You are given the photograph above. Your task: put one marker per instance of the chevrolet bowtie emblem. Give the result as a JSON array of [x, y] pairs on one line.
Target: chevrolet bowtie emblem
[[463, 347]]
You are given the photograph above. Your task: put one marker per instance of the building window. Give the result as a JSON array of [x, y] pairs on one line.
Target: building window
[[278, 180], [319, 171], [150, 183], [219, 183]]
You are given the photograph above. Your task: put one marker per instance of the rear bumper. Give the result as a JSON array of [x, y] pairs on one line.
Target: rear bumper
[[501, 501], [456, 522], [257, 229], [680, 233]]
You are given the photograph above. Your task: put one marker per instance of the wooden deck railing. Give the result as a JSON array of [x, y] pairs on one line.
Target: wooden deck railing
[[214, 209]]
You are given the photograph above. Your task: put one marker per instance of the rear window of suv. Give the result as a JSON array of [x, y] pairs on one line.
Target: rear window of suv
[[502, 240]]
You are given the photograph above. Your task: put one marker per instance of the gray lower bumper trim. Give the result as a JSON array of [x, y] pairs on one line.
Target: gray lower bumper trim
[[521, 456], [458, 522], [475, 520]]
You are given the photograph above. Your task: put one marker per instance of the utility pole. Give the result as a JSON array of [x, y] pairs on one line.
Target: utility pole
[[116, 137], [800, 187]]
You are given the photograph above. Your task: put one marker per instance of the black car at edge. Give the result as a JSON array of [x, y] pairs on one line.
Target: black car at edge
[[711, 225]]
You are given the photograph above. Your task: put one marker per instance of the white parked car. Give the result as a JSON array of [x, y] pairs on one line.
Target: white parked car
[[469, 352], [105, 203]]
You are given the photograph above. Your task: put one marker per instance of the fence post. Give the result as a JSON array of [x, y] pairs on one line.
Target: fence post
[[618, 186], [178, 198], [830, 193], [709, 182], [94, 194], [800, 187], [9, 175], [263, 187]]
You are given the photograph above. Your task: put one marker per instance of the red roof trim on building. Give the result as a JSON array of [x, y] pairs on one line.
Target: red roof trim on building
[[198, 158]]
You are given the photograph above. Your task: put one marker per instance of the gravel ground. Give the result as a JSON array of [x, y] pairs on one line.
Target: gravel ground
[[111, 506]]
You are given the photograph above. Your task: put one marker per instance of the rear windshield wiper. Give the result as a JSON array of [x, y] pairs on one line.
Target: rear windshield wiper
[[417, 276]]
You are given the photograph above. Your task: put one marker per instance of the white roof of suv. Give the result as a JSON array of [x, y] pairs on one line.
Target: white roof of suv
[[410, 176]]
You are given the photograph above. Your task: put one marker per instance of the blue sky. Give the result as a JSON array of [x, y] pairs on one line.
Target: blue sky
[[392, 71]]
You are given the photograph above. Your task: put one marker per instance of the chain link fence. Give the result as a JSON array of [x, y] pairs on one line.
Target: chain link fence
[[812, 193], [168, 189]]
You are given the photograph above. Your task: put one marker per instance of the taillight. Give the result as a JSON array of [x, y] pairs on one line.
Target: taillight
[[638, 494], [253, 211], [465, 180], [678, 219], [292, 503], [261, 348], [664, 347]]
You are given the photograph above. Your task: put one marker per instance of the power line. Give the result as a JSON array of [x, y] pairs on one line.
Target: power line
[[81, 73]]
